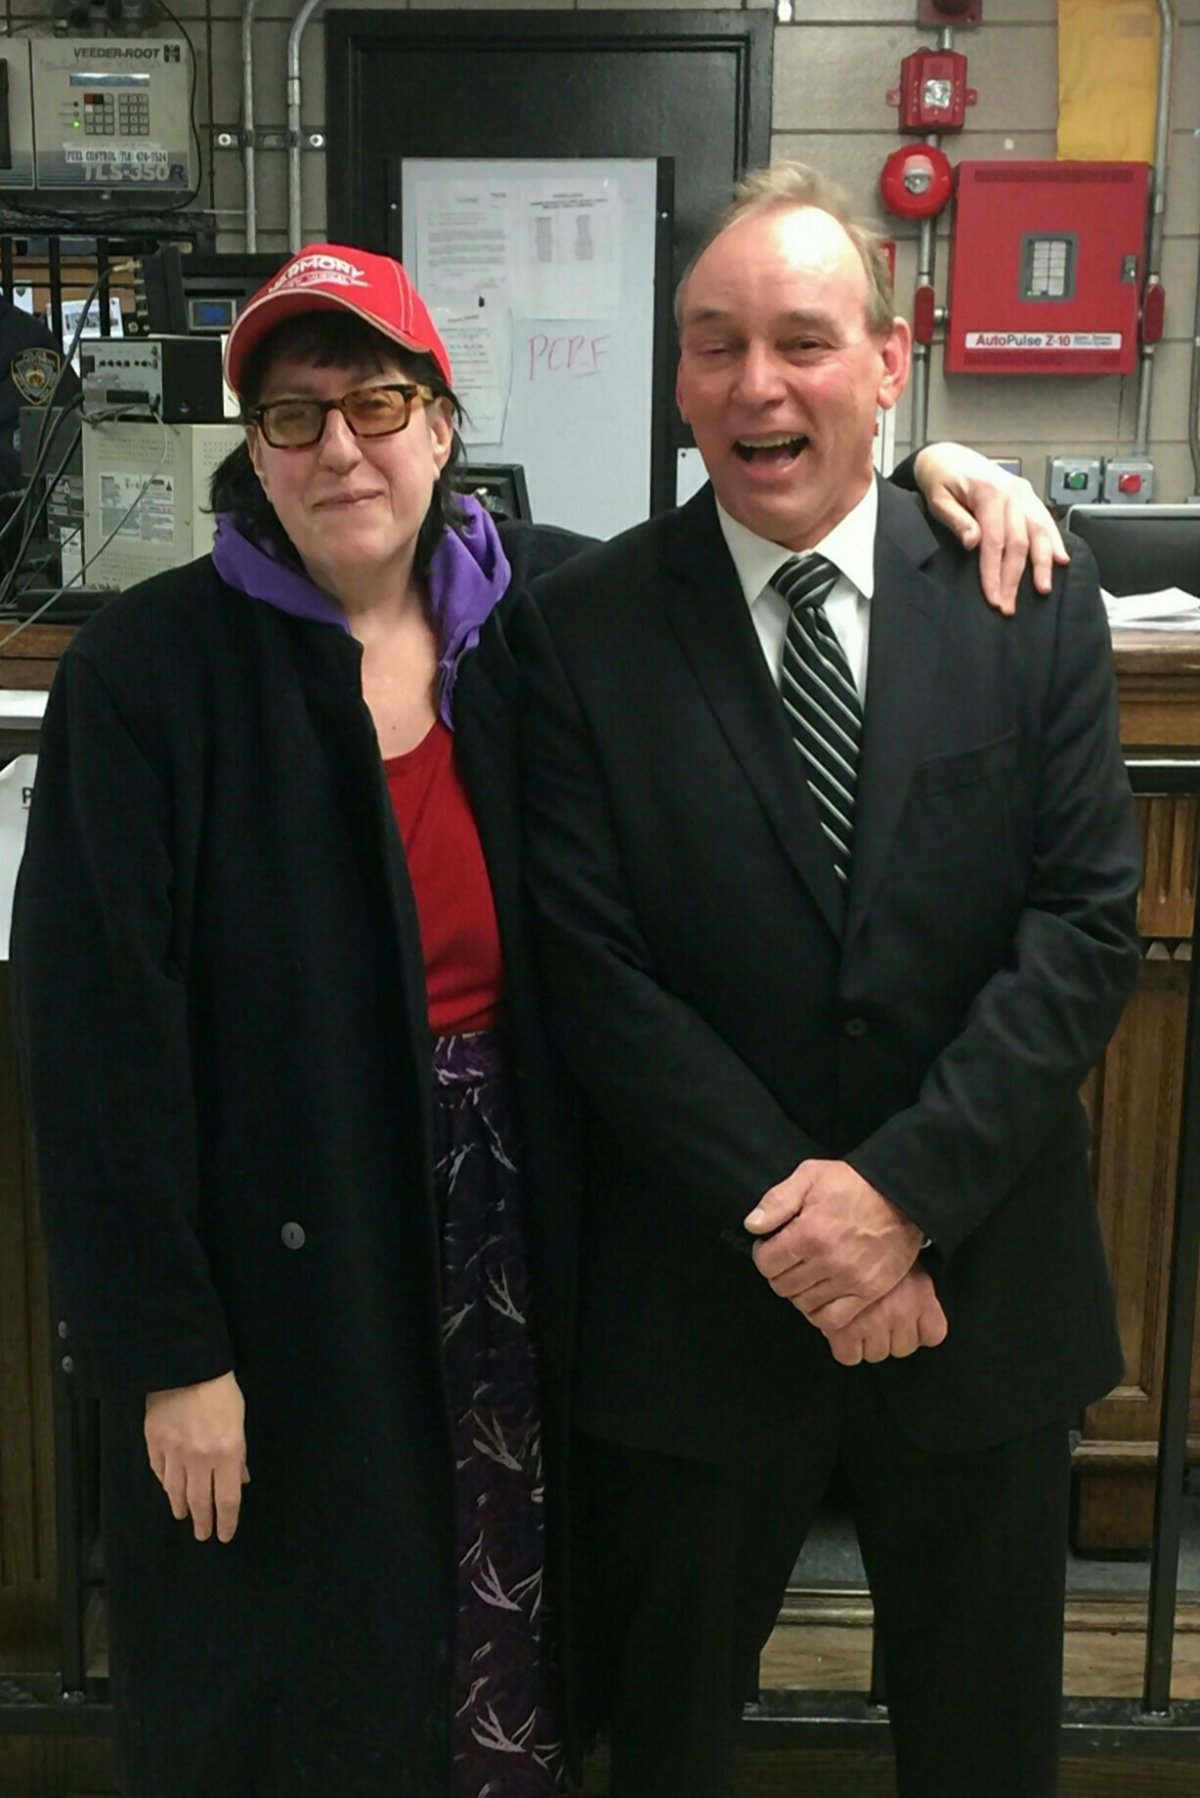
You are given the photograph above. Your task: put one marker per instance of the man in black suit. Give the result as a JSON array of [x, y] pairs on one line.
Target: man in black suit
[[835, 870]]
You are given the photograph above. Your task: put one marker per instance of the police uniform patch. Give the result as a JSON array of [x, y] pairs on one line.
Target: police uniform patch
[[34, 373]]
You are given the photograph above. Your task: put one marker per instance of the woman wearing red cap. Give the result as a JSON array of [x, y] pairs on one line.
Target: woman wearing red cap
[[266, 900]]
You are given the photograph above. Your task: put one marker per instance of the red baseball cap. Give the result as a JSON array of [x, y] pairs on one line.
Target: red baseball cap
[[323, 277]]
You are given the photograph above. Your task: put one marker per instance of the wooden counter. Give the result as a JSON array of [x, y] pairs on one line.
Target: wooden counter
[[1135, 1099]]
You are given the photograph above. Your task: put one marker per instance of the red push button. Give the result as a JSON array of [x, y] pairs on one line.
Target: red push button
[[1129, 483]]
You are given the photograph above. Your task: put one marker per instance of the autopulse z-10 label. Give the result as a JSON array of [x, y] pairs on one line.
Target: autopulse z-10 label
[[1043, 340]]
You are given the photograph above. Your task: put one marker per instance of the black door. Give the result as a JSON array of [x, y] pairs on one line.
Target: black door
[[694, 87]]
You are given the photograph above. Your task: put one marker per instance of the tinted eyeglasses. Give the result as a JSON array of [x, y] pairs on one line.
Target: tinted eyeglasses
[[368, 411]]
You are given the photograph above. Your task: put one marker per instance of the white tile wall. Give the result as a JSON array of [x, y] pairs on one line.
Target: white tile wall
[[833, 66]]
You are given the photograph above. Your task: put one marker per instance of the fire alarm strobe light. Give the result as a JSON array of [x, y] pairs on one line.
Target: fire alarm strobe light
[[916, 181], [933, 94]]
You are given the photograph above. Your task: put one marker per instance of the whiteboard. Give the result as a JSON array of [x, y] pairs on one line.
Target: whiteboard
[[540, 277]]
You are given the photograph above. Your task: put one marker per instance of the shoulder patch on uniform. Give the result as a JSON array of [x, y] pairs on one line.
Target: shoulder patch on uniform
[[34, 373]]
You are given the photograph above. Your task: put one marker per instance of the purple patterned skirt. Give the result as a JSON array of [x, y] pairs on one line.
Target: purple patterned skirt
[[506, 1742]]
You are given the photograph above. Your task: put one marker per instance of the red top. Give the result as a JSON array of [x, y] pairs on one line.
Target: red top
[[459, 936]]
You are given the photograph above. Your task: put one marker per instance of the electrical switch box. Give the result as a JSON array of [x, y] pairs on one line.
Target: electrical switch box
[[90, 118], [1046, 267], [177, 378], [1128, 481], [1073, 480], [16, 168]]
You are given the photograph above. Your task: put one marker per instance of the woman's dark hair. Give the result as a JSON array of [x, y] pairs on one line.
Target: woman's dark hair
[[332, 339]]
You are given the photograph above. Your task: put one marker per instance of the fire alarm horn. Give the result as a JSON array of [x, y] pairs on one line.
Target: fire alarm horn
[[916, 181]]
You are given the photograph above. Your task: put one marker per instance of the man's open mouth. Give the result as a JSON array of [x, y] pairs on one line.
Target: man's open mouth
[[770, 449]]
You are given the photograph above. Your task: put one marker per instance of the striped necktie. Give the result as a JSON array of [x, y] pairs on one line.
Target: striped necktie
[[821, 700]]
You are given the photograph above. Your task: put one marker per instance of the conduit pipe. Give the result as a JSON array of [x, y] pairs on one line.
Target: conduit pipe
[[926, 264], [249, 179], [1194, 397], [1158, 207], [299, 25]]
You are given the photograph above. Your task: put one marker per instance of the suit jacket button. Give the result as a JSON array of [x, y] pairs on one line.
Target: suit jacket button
[[855, 1027], [292, 1236]]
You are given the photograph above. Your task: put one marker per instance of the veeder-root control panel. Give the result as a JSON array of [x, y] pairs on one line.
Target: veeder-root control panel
[[96, 118]]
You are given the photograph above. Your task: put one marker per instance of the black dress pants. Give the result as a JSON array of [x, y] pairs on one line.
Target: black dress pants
[[684, 1565]]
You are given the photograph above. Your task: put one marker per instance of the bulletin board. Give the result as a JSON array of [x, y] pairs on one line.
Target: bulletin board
[[548, 282]]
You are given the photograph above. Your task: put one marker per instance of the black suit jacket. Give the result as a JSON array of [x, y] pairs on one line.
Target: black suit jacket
[[728, 1014]]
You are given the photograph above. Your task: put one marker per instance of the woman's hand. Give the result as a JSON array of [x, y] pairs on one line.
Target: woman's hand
[[196, 1440], [998, 512]]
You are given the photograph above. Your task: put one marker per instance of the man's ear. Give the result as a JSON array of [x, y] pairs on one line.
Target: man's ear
[[679, 405], [896, 351]]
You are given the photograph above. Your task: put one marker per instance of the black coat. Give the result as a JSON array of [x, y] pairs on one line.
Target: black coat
[[223, 1012], [726, 1022]]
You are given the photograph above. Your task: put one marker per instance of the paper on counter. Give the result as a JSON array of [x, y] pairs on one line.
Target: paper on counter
[[16, 791], [19, 705], [1168, 609]]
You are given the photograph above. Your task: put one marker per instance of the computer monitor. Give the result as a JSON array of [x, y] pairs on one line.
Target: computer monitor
[[1141, 549], [200, 294], [500, 486]]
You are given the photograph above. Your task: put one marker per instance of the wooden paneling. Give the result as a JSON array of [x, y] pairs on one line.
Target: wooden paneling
[[1136, 1103], [822, 1775], [45, 1767], [1158, 675], [1169, 839], [29, 656], [823, 1643], [27, 1568]]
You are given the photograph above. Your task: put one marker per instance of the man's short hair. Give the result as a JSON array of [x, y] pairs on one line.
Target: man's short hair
[[788, 187]]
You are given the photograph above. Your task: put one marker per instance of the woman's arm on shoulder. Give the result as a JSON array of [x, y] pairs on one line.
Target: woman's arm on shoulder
[[990, 510]]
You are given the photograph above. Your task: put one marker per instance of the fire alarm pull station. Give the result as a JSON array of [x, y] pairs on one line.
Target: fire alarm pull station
[[1046, 267]]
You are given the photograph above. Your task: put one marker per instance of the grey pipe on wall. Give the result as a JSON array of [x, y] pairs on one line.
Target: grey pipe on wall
[[295, 35], [926, 265], [1158, 207], [249, 174]]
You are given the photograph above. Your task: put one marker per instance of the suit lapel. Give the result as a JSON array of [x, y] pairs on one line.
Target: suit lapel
[[905, 645], [708, 614]]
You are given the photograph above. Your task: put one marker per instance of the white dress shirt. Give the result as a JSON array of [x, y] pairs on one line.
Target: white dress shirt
[[850, 546]]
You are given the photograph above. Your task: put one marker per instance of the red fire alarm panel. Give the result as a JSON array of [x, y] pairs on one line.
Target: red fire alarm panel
[[1046, 267]]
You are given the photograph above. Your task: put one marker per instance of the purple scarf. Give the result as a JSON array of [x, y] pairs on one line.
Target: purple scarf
[[469, 575]]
